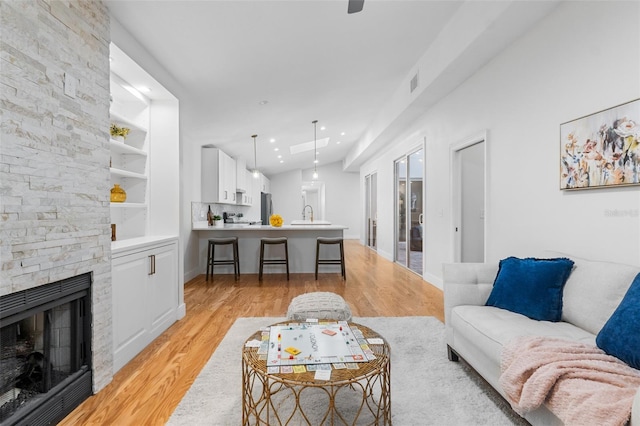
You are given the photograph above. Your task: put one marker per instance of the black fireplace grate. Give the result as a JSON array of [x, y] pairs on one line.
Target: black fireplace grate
[[56, 378]]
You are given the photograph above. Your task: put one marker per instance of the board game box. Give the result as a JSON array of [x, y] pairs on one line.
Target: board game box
[[316, 343]]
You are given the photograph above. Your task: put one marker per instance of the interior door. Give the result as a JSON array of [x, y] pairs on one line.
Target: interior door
[[470, 235], [409, 171]]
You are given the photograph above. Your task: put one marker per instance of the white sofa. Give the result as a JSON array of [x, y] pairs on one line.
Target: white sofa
[[477, 333]]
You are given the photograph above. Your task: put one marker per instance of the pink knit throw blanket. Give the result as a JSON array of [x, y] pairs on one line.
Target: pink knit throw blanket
[[580, 383]]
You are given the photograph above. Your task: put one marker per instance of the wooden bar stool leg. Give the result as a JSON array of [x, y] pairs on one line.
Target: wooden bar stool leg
[[317, 256], [209, 258], [261, 260], [236, 257], [344, 270], [286, 257]]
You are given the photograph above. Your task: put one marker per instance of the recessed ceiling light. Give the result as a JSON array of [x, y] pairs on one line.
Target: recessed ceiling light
[[280, 156], [342, 134], [281, 161], [338, 143], [322, 128], [276, 149], [263, 102], [272, 140]]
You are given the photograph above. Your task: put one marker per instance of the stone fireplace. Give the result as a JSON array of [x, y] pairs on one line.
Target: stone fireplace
[[54, 184], [45, 351]]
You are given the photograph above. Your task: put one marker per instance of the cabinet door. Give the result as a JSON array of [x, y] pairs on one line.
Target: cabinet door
[[265, 184], [230, 178], [241, 175], [212, 186], [129, 293], [163, 288], [250, 187]]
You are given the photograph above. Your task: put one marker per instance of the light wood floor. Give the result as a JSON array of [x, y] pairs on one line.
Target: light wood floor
[[147, 390]]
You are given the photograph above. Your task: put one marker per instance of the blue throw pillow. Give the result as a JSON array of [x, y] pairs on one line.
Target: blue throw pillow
[[531, 287], [620, 336]]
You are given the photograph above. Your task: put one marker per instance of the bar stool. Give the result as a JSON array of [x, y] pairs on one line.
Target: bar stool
[[326, 240], [211, 261], [270, 241]]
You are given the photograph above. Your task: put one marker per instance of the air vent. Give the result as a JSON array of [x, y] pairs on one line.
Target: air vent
[[414, 83]]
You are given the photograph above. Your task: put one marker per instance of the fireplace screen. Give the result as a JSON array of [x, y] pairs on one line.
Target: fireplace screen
[[42, 350]]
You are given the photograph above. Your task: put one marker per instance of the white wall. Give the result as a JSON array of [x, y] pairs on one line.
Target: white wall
[[342, 196], [286, 194], [555, 73]]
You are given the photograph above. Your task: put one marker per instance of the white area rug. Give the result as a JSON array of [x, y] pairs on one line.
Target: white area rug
[[426, 388]]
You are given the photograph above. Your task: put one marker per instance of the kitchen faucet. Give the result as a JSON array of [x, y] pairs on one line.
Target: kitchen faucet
[[303, 211]]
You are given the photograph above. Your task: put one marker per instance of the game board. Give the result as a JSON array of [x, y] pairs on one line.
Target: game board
[[314, 343]]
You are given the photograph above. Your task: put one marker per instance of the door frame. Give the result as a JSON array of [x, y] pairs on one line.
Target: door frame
[[406, 155], [368, 193], [456, 191]]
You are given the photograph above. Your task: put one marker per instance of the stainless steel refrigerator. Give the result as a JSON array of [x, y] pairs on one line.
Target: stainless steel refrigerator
[[266, 207]]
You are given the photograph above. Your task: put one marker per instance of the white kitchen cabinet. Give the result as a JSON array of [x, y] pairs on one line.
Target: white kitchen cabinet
[[241, 175], [265, 183], [145, 296], [246, 198], [218, 177], [230, 177]]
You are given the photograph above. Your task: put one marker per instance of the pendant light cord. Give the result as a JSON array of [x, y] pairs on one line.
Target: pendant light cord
[[315, 149], [255, 155]]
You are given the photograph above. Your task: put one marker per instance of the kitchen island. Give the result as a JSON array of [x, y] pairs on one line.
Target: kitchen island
[[301, 242]]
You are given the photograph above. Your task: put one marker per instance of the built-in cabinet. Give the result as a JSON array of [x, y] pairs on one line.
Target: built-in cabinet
[[144, 295], [218, 177], [146, 268]]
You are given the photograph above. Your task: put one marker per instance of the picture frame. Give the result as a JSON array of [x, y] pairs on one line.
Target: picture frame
[[601, 149]]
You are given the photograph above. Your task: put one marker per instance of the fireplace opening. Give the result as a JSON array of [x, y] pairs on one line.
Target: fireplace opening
[[45, 355]]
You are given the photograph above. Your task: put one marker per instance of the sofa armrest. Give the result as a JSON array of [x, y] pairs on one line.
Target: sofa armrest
[[467, 284]]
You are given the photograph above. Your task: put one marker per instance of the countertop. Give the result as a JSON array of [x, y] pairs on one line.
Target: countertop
[[202, 226]]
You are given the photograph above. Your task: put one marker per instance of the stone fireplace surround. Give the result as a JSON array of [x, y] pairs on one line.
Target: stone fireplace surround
[[54, 162]]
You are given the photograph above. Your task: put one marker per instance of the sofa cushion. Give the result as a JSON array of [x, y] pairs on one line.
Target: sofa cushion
[[531, 287], [594, 290], [489, 329], [620, 335]]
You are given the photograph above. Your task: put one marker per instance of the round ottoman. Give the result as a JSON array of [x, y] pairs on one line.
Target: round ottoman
[[319, 305]]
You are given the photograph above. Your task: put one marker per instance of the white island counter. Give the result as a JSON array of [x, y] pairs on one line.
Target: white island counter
[[301, 242]]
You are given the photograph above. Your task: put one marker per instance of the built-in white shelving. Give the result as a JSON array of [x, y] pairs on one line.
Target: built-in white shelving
[[146, 262]]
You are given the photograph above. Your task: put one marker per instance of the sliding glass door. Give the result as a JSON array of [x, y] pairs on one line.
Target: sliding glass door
[[409, 171], [371, 194]]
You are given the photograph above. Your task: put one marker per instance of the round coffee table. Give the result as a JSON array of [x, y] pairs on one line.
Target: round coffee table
[[351, 396]]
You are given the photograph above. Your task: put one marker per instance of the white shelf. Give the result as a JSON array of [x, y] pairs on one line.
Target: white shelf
[[127, 174], [122, 120], [123, 148], [149, 178]]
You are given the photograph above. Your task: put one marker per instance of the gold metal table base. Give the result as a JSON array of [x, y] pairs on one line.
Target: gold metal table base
[[350, 397]]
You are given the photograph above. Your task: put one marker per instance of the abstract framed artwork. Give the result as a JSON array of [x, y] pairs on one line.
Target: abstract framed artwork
[[601, 149]]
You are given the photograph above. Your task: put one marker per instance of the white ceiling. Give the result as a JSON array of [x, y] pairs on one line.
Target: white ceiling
[[309, 60]]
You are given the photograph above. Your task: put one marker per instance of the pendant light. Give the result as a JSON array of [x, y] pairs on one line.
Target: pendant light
[[315, 151], [256, 172]]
